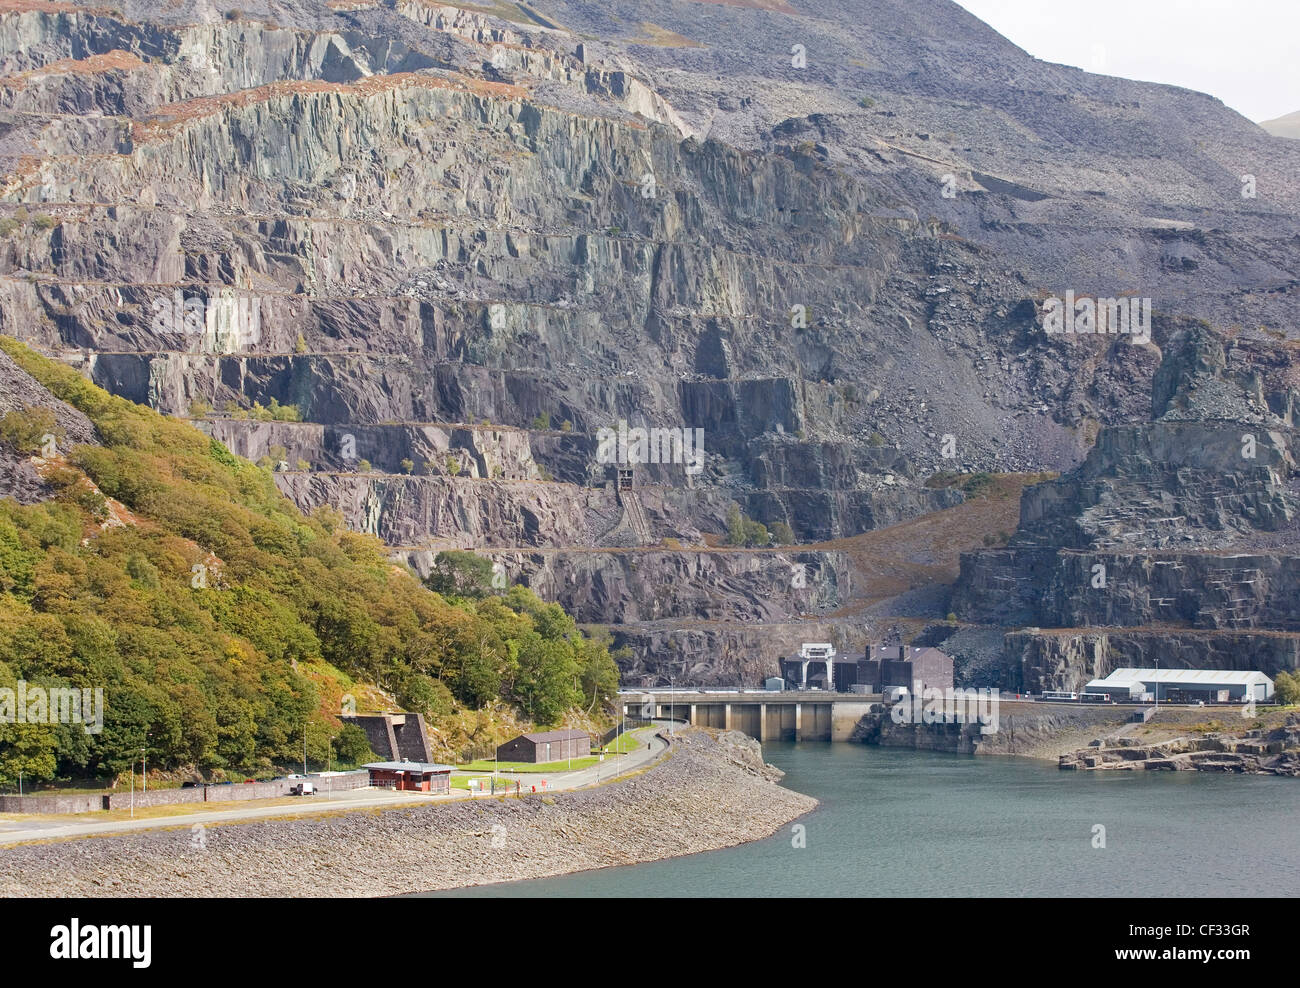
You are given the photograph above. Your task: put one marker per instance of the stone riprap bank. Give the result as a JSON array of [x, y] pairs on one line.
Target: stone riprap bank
[[713, 792]]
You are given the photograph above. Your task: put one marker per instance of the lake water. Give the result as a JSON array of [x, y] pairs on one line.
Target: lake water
[[907, 823]]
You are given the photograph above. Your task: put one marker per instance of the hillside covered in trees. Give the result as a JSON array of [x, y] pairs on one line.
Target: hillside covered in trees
[[221, 622]]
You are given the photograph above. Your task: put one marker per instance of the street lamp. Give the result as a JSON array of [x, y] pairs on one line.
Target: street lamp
[[672, 705]]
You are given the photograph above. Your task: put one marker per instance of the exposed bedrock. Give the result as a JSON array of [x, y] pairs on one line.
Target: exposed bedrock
[[1062, 589], [460, 244], [718, 654], [413, 511], [1062, 660], [632, 586]]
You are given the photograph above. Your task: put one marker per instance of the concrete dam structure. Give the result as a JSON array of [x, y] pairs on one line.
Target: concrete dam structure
[[763, 715]]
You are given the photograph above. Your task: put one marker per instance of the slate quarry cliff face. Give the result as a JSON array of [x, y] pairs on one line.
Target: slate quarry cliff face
[[1178, 540], [461, 240]]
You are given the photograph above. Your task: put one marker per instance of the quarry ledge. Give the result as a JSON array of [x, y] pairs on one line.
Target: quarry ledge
[[713, 792]]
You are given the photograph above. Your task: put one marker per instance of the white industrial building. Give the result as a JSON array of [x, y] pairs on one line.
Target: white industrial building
[[1210, 685]]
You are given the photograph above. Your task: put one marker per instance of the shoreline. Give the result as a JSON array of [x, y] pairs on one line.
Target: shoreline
[[712, 791], [1264, 743]]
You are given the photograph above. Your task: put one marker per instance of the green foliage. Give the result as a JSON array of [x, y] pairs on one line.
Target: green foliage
[[217, 673], [782, 534], [274, 412], [1287, 687], [351, 746], [744, 531], [977, 483], [735, 525], [407, 466], [543, 421], [421, 694], [24, 431], [457, 573]]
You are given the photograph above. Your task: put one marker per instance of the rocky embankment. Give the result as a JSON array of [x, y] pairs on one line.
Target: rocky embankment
[[1032, 730], [713, 792], [1257, 752]]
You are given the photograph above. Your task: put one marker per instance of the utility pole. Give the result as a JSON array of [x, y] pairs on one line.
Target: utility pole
[[20, 782], [672, 706], [304, 747], [144, 770]]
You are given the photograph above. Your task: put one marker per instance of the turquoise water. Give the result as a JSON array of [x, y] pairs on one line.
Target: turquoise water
[[901, 823]]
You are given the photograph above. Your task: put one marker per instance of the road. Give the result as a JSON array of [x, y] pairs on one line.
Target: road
[[16, 830]]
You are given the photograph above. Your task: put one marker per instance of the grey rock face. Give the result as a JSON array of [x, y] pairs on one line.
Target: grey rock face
[[1184, 525], [472, 238]]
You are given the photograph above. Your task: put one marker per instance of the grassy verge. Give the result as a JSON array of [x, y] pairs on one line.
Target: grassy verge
[[624, 743], [487, 765]]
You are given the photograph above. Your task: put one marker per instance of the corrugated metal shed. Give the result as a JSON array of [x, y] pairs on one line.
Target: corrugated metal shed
[[1189, 677]]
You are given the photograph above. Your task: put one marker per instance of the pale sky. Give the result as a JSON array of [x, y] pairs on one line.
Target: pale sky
[[1245, 52]]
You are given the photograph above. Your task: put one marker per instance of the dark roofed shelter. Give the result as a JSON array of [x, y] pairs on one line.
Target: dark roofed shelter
[[410, 776], [546, 746]]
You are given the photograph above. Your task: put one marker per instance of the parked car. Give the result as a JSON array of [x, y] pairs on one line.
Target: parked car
[[303, 789], [193, 784]]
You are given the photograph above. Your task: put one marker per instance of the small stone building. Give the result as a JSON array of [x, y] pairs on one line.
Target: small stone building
[[546, 746]]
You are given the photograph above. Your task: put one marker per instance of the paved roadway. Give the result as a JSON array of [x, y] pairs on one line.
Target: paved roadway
[[14, 831]]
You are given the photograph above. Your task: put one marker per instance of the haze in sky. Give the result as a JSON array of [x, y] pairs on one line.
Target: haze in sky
[[1245, 52]]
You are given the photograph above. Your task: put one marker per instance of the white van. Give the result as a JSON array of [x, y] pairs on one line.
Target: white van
[[303, 789]]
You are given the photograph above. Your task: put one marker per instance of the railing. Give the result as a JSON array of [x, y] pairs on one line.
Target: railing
[[627, 725]]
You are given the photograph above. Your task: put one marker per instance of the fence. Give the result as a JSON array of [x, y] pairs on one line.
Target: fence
[[617, 729], [237, 791]]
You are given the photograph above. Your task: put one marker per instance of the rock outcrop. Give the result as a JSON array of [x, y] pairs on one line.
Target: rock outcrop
[[467, 238], [1176, 539], [1255, 752]]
